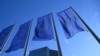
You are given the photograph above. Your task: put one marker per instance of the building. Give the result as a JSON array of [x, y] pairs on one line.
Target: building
[[45, 51]]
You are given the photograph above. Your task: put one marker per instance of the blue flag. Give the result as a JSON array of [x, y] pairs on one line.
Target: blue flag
[[4, 34], [70, 22], [20, 38], [44, 29]]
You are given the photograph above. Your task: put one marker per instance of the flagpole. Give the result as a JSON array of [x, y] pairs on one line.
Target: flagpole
[[26, 45], [6, 39], [56, 36], [90, 30]]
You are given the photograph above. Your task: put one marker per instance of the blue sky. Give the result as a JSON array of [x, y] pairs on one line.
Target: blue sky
[[81, 44]]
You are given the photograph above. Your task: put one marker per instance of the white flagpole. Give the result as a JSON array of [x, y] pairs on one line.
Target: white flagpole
[[27, 40], [56, 36], [6, 40]]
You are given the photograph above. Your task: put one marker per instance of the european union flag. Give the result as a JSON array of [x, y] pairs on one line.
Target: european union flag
[[20, 38], [4, 34], [70, 22], [44, 29]]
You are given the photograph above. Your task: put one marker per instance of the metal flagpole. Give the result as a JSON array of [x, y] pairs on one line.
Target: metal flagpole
[[90, 30], [56, 36], [6, 39], [27, 40]]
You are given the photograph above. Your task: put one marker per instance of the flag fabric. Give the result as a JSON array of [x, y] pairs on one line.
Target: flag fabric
[[70, 22], [4, 34], [44, 29], [20, 38]]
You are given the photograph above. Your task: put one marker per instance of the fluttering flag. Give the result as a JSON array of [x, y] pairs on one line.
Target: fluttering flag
[[44, 29], [20, 38], [4, 34], [70, 22]]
